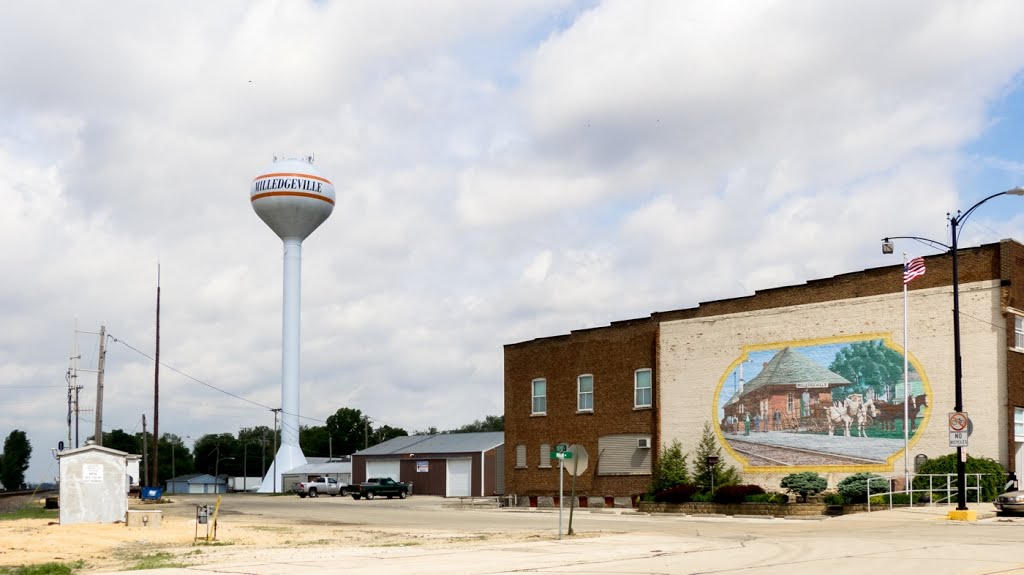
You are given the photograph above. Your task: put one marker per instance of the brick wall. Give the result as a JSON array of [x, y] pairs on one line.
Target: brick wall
[[868, 301], [612, 355]]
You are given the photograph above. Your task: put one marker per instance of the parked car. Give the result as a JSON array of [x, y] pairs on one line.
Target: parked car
[[1010, 502], [318, 485], [386, 486]]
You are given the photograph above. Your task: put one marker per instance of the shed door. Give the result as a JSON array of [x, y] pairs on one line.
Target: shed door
[[385, 468], [458, 481]]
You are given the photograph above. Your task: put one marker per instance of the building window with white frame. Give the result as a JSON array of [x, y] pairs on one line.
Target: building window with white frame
[[545, 456], [642, 387], [539, 406], [1018, 330], [1018, 423], [585, 393]]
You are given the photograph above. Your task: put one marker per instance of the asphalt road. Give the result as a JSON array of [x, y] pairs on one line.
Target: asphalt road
[[911, 541]]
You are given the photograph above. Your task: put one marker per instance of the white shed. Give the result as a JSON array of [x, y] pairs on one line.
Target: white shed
[[93, 485], [196, 483]]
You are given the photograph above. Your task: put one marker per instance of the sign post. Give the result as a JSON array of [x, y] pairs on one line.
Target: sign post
[[561, 453]]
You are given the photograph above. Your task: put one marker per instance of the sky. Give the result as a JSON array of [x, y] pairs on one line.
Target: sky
[[504, 171]]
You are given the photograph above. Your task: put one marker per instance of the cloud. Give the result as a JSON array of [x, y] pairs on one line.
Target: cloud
[[505, 171]]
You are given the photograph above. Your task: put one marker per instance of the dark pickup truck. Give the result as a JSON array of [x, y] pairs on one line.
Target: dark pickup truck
[[375, 486]]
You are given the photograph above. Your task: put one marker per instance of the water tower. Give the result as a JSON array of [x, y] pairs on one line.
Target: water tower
[[293, 198]]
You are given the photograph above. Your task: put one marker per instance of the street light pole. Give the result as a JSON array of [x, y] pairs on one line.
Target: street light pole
[[956, 222]]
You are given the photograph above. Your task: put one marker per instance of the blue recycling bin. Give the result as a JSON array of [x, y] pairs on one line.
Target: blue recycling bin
[[154, 493]]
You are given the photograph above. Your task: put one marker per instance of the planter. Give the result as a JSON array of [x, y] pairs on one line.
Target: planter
[[709, 508]]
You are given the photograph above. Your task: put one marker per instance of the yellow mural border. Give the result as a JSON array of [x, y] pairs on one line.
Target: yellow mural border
[[889, 465]]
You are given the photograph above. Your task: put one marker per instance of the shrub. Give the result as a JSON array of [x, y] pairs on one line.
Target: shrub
[[670, 469], [855, 487], [678, 494], [736, 493], [767, 498], [834, 499], [992, 480], [703, 498], [804, 484]]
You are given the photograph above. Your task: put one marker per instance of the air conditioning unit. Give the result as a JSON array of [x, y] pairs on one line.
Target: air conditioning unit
[[643, 443]]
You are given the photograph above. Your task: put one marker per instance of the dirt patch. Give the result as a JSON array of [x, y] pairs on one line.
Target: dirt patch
[[107, 547]]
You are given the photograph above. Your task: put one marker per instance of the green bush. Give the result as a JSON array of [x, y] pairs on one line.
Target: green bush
[[854, 488], [804, 484], [703, 498], [834, 499], [992, 480], [767, 498]]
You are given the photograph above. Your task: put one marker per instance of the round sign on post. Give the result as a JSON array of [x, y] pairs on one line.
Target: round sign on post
[[580, 460]]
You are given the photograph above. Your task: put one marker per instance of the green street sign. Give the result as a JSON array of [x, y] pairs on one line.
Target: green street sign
[[561, 448]]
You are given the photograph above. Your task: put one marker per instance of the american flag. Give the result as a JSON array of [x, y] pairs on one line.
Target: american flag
[[912, 269]]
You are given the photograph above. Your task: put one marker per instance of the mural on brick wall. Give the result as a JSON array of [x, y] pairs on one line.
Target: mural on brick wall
[[836, 403]]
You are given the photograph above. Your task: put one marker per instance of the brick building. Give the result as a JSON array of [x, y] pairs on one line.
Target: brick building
[[649, 381]]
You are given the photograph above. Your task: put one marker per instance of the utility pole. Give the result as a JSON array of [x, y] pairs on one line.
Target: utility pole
[[276, 411], [145, 459], [99, 386], [156, 385]]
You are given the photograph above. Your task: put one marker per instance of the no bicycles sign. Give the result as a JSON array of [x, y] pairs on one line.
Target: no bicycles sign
[[959, 425]]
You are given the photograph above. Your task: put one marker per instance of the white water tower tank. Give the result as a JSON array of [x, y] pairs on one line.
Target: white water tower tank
[[292, 197]]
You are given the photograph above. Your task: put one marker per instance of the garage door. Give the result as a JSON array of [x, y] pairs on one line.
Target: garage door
[[385, 468], [458, 482]]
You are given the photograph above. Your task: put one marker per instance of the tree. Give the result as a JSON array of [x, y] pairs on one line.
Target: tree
[[14, 460], [386, 432], [670, 469], [350, 430], [703, 473], [490, 423], [175, 457], [804, 484], [120, 440], [867, 364]]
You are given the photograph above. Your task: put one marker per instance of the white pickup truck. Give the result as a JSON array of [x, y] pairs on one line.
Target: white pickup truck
[[318, 485]]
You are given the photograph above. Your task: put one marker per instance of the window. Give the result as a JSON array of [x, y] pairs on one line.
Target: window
[[642, 385], [1018, 423], [545, 455], [540, 397], [585, 393], [520, 457], [789, 402], [1018, 329]]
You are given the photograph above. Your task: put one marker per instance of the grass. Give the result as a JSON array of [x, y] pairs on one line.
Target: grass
[[43, 569], [29, 512], [157, 560]]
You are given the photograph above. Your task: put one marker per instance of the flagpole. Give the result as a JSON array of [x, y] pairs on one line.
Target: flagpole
[[906, 387]]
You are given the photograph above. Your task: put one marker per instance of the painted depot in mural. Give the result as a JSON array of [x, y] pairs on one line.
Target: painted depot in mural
[[820, 387]]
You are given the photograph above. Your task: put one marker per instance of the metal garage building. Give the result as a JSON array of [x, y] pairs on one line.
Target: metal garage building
[[448, 464]]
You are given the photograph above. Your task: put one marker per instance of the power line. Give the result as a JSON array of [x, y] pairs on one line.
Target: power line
[[225, 392]]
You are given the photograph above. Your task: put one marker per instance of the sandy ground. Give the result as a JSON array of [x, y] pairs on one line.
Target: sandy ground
[[113, 547]]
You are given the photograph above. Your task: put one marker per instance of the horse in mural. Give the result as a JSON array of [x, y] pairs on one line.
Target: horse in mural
[[852, 409], [890, 412]]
